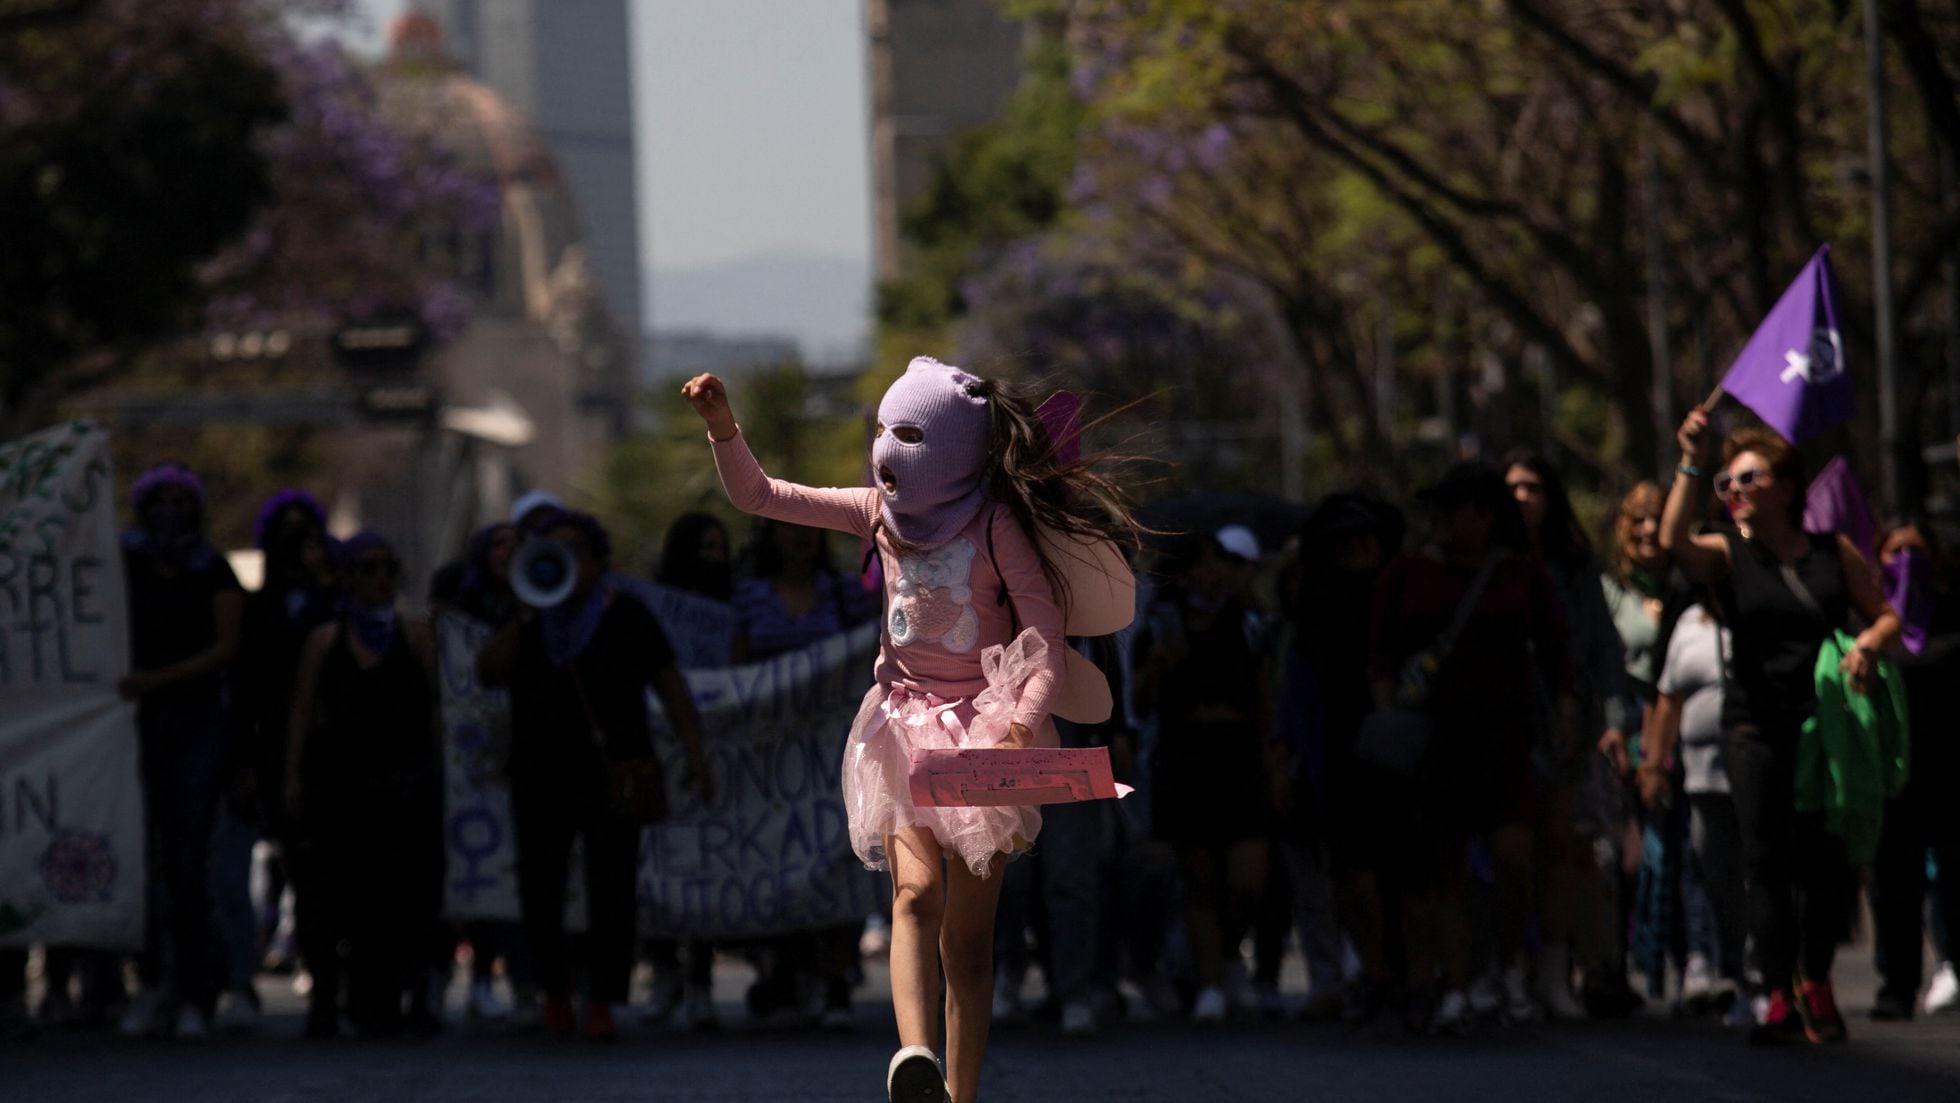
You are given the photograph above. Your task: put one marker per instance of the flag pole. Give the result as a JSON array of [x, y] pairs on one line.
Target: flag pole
[[1714, 396]]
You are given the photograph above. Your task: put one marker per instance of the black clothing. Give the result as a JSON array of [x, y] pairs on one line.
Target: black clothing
[[1210, 777], [1799, 880], [171, 618], [549, 726], [1922, 816], [1776, 635], [278, 620], [558, 781], [369, 868]]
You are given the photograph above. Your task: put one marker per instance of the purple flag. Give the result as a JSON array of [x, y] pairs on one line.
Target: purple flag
[[1792, 371], [1836, 503], [1909, 591]]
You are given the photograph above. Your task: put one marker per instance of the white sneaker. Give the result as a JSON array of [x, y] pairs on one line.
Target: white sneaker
[[1452, 1013], [1741, 1014], [237, 1014], [1944, 993], [1555, 986], [1486, 996], [666, 999], [485, 1005], [1212, 1006], [698, 1011], [876, 941], [1697, 980], [1007, 998], [1078, 1021], [191, 1026], [916, 1076], [142, 1018]]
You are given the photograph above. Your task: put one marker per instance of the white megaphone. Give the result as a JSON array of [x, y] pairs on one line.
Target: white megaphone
[[544, 573]]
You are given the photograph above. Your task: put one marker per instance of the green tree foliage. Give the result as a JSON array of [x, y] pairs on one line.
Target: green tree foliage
[[646, 481], [127, 156]]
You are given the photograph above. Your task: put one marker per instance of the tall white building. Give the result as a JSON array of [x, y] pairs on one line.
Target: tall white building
[[567, 66]]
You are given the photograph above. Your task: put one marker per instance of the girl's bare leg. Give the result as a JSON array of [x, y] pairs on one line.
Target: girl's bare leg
[[918, 907], [966, 949]]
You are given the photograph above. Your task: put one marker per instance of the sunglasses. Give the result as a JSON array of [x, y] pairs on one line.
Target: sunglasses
[[379, 567], [1727, 486]]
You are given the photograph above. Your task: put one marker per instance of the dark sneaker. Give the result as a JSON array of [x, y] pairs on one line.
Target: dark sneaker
[[1782, 1023], [558, 1020], [598, 1025], [1818, 1005], [916, 1076], [1889, 1008]]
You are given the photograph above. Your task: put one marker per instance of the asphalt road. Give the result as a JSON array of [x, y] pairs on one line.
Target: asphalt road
[[1650, 1059]]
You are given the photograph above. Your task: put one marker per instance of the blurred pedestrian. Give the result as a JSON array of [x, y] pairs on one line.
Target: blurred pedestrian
[[296, 596], [578, 674], [1570, 909], [364, 786], [793, 596], [186, 612], [1206, 673], [478, 586], [1785, 592], [695, 557], [1925, 815], [1474, 781], [1332, 856]]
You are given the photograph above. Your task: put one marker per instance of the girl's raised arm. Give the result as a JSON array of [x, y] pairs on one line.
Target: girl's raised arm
[[851, 510]]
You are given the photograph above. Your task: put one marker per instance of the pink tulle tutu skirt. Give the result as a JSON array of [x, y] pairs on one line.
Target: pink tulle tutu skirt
[[896, 720]]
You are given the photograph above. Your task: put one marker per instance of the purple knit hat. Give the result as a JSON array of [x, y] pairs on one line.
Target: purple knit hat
[[278, 504], [932, 489], [160, 476]]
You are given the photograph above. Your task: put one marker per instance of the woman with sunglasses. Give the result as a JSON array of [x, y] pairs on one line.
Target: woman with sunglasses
[[364, 786], [1786, 591]]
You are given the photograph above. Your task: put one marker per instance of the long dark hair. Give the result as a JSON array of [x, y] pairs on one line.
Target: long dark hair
[[1561, 539], [681, 565], [1027, 473]]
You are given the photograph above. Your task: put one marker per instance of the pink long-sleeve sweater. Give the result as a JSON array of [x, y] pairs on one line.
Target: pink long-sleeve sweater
[[942, 607]]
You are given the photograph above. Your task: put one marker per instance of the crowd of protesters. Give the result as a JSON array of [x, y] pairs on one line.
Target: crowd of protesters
[[1470, 762]]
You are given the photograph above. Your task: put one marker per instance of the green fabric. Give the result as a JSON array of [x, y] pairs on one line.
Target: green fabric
[[1854, 751]]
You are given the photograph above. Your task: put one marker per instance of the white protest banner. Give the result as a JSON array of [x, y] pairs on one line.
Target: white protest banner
[[480, 881], [773, 852], [770, 855], [71, 804], [701, 629]]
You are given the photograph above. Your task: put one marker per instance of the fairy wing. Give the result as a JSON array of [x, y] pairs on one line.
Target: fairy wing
[[1102, 591]]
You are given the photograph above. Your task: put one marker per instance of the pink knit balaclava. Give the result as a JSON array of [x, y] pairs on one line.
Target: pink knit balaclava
[[931, 489]]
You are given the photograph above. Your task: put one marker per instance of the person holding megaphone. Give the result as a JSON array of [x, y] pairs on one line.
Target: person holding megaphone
[[578, 662]]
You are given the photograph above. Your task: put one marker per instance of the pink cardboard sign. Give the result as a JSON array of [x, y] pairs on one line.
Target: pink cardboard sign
[[949, 778]]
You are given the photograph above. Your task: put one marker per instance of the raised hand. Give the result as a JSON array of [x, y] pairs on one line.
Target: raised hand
[[1693, 436], [709, 397]]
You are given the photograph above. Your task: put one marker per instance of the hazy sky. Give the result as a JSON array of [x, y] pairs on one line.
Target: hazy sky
[[752, 127]]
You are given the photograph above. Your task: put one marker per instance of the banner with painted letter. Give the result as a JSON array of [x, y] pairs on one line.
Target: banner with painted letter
[[71, 804], [770, 855]]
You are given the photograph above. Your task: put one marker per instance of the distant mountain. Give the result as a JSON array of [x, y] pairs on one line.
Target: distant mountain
[[823, 302]]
